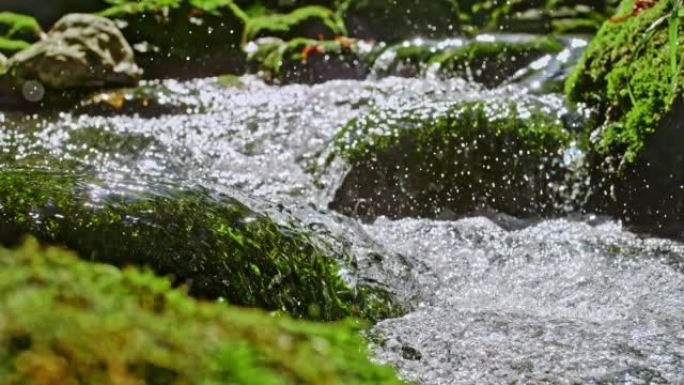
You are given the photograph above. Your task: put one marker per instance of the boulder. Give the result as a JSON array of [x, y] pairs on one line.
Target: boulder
[[396, 20], [79, 51], [487, 62], [450, 159], [68, 321], [213, 243], [631, 76]]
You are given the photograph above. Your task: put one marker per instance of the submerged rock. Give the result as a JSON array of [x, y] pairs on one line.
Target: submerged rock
[[183, 38], [396, 20], [454, 158], [68, 321], [80, 51], [212, 242], [627, 76]]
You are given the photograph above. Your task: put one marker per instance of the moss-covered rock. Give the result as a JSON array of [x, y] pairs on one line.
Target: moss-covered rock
[[80, 50], [537, 16], [212, 242], [454, 159], [305, 60], [628, 78], [17, 32], [486, 62], [66, 321], [183, 38], [313, 21], [395, 20]]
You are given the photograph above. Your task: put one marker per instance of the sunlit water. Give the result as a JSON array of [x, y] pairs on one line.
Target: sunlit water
[[570, 300]]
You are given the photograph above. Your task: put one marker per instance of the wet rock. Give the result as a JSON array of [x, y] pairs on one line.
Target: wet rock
[[181, 38], [17, 32], [489, 60], [314, 22], [211, 242], [396, 20], [539, 16], [68, 321], [454, 158], [305, 60], [79, 51], [637, 163]]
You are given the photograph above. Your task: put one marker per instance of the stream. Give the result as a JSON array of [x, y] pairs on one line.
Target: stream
[[493, 299]]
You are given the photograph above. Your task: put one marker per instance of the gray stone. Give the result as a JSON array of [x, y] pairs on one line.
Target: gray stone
[[80, 50]]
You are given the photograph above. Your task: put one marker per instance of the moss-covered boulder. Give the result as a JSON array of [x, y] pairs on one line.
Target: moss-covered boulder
[[213, 243], [453, 159], [313, 21], [66, 321], [183, 38], [395, 20], [80, 50], [631, 74], [17, 32], [305, 60], [487, 62]]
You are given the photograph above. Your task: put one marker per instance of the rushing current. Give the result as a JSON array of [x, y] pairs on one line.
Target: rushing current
[[570, 300]]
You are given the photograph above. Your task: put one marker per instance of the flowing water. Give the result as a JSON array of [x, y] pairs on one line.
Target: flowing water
[[577, 299]]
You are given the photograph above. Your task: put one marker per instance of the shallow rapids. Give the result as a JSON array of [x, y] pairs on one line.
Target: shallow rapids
[[560, 301]]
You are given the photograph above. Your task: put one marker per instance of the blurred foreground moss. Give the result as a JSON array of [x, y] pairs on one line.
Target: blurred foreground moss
[[65, 321]]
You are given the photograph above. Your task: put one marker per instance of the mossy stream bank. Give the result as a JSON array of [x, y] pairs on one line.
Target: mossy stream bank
[[433, 181]]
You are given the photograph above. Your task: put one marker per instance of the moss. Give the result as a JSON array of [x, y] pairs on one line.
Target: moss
[[304, 60], [66, 321], [611, 67], [311, 21], [453, 159], [538, 16], [183, 38], [396, 20], [489, 63], [17, 32], [212, 242]]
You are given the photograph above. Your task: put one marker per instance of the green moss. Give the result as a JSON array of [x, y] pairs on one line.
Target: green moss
[[454, 159], [183, 38], [538, 16], [491, 63], [66, 321], [17, 32], [284, 62], [612, 66], [309, 21], [212, 242]]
